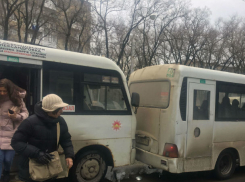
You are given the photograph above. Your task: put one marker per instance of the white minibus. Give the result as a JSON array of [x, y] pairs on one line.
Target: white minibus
[[190, 119], [99, 116]]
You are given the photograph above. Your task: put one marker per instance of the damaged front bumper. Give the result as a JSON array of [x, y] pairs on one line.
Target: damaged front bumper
[[123, 172], [173, 165]]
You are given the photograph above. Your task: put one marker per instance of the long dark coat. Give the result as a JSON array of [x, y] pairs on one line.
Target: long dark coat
[[39, 133]]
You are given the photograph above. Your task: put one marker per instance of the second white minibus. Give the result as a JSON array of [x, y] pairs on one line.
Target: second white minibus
[[190, 119]]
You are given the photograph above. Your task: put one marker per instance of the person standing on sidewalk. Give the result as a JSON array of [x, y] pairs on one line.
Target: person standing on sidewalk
[[36, 137], [12, 112]]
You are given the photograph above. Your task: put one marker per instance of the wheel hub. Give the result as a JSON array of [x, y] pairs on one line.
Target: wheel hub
[[225, 164], [90, 169]]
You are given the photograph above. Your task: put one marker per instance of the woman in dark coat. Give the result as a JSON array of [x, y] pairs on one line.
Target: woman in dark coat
[[36, 137]]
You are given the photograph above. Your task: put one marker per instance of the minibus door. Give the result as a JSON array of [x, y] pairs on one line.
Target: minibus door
[[201, 109], [26, 77]]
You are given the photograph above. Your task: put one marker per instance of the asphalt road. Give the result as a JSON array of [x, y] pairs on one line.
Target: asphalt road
[[239, 176]]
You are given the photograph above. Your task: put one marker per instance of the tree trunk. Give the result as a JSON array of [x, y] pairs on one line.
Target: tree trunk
[[26, 33], [6, 29], [19, 33], [66, 41], [26, 21], [106, 41], [34, 36]]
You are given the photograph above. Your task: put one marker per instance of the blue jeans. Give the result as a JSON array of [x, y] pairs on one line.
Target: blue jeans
[[6, 159]]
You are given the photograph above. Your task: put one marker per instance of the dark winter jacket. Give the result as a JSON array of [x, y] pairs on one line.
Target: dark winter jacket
[[39, 133]]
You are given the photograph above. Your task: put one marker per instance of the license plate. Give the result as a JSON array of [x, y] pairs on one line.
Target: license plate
[[142, 140]]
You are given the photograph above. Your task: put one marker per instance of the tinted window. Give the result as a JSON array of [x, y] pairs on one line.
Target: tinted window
[[61, 83], [201, 105], [89, 91], [230, 102]]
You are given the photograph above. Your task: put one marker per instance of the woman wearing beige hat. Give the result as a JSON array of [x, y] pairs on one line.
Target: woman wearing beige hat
[[36, 137]]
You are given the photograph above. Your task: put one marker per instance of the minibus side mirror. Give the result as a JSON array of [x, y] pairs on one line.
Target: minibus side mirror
[[135, 101]]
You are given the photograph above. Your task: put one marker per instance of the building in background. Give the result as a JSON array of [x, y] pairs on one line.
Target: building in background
[[62, 24]]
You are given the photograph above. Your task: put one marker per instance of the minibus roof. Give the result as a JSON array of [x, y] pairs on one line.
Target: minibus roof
[[160, 72], [29, 51]]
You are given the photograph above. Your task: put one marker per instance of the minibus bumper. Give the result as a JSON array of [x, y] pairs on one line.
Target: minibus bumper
[[173, 165]]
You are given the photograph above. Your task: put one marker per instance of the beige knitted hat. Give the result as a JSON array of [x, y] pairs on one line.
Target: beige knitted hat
[[52, 102]]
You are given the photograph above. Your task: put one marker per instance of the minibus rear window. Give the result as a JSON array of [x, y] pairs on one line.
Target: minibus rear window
[[152, 94]]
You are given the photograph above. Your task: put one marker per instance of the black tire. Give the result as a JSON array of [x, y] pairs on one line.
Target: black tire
[[90, 166], [225, 165]]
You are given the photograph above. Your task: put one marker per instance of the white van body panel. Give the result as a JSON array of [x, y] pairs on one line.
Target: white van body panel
[[193, 156]]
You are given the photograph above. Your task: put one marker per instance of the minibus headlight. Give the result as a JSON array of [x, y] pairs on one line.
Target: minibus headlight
[[170, 150]]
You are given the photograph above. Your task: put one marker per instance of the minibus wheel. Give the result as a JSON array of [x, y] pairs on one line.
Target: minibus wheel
[[225, 165], [90, 166]]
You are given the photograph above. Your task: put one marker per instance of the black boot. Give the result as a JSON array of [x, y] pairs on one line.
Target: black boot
[[6, 176]]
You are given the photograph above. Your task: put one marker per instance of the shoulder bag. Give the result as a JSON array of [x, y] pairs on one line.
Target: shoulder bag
[[40, 172]]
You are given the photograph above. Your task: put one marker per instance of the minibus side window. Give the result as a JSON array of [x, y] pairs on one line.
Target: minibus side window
[[230, 102], [94, 97], [115, 99], [88, 91], [61, 83], [102, 93], [201, 105]]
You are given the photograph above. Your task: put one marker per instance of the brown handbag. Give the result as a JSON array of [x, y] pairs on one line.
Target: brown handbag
[[40, 172]]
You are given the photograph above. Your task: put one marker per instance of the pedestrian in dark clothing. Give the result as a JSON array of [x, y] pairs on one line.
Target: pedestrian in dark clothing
[[36, 137]]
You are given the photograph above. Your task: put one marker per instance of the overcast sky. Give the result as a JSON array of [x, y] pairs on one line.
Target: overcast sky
[[222, 8]]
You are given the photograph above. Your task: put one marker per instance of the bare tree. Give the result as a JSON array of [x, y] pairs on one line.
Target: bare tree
[[150, 36], [68, 14], [212, 47], [118, 31], [83, 30], [32, 18], [187, 38], [103, 8], [85, 34], [97, 43], [18, 17], [139, 12], [240, 45], [233, 44], [8, 7]]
